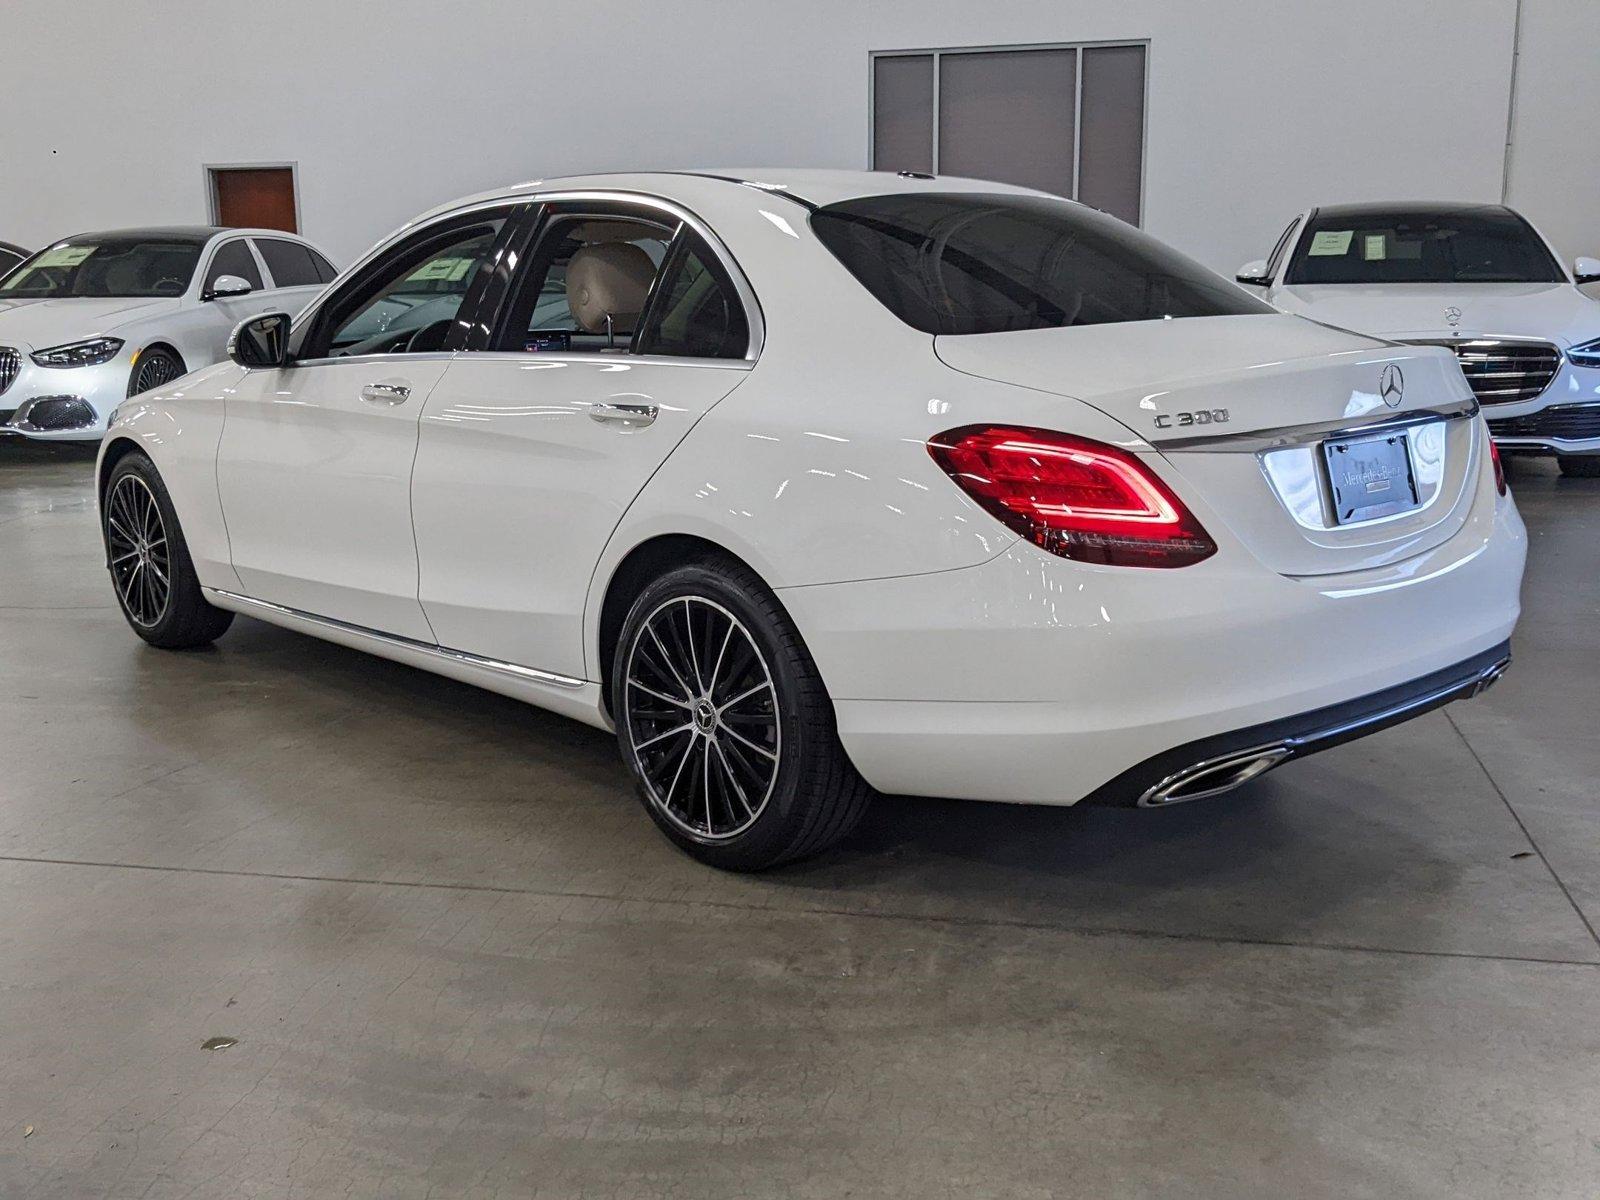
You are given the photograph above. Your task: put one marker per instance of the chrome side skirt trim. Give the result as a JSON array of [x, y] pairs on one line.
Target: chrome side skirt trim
[[1256, 441], [247, 604]]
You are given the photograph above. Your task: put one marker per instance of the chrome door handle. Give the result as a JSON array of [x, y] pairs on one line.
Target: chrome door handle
[[386, 393], [624, 414]]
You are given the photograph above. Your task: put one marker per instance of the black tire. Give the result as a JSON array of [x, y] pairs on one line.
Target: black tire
[[151, 571], [775, 785], [154, 368], [1580, 466]]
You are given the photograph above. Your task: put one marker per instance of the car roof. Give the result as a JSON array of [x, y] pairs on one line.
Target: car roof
[[1405, 208], [195, 233], [812, 187]]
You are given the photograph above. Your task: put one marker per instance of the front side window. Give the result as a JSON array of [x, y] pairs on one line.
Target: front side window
[[290, 263], [233, 258], [969, 263], [586, 285], [153, 265], [1414, 245], [407, 304]]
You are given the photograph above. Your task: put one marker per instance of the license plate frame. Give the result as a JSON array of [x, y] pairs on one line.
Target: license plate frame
[[1370, 476]]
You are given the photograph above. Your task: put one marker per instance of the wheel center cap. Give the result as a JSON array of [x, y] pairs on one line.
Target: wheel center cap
[[705, 716]]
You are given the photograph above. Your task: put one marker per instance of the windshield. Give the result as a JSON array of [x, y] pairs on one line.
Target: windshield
[[960, 263], [106, 266], [1476, 245]]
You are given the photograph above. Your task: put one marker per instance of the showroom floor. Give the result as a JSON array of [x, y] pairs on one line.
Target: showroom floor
[[459, 961]]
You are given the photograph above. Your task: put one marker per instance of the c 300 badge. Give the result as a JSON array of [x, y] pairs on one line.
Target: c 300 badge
[[1200, 416]]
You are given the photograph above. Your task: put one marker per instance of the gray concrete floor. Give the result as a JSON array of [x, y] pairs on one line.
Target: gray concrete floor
[[459, 962]]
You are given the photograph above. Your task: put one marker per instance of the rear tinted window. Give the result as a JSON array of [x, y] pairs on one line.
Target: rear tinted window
[[1414, 245], [986, 263], [291, 264]]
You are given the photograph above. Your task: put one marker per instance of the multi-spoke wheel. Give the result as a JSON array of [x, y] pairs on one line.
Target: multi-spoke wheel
[[702, 718], [139, 556], [154, 368], [151, 570], [724, 721]]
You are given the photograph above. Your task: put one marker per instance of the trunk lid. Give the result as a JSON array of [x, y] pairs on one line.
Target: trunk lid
[[1242, 408]]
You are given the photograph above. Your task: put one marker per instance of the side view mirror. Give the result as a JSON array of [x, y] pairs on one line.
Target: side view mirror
[[1586, 269], [1254, 273], [224, 286], [261, 341]]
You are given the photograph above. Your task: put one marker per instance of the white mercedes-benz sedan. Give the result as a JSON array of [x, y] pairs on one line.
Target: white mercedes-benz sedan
[[815, 483], [1475, 278], [93, 319]]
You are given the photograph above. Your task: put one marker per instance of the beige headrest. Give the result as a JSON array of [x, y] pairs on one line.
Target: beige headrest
[[608, 279]]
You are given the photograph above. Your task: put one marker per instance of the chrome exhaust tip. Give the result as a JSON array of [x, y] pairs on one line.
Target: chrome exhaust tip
[[1213, 776]]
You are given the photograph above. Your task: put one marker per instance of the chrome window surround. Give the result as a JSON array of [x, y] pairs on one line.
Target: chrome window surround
[[752, 306]]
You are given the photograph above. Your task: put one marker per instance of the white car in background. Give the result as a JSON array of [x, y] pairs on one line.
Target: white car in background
[[1476, 278], [93, 319], [809, 481]]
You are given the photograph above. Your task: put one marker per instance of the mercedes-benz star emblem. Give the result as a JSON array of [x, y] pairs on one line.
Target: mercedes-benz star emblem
[[1392, 386], [1452, 316]]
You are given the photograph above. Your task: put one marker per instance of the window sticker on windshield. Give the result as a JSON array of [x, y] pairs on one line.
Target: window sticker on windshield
[[1373, 247], [1331, 241], [64, 256], [452, 270]]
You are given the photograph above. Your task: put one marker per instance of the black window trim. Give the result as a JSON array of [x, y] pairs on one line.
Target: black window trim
[[1280, 252], [485, 332], [507, 209]]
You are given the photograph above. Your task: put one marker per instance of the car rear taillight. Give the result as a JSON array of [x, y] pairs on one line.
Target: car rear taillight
[[1499, 467], [1073, 497]]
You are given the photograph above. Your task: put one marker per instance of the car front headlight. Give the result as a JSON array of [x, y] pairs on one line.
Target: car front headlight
[[79, 354], [1586, 355]]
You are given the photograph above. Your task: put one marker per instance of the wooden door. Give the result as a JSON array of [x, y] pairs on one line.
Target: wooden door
[[255, 197]]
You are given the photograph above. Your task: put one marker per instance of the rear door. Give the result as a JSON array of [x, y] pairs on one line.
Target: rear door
[[622, 328], [314, 467]]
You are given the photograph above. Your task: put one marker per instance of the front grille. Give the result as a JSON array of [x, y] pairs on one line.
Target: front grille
[[1503, 370], [1570, 422], [10, 364]]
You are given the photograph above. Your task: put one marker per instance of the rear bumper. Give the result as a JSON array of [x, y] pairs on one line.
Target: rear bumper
[[1037, 680], [1218, 764]]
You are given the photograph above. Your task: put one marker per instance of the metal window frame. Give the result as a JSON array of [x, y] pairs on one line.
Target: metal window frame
[[936, 53], [213, 206]]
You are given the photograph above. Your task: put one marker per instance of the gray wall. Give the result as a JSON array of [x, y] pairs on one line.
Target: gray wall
[[1256, 107]]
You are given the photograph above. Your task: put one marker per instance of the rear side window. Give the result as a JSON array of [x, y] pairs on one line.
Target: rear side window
[[962, 263], [291, 264], [233, 258], [696, 313]]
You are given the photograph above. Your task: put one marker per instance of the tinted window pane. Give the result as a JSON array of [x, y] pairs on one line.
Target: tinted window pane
[[1483, 244], [117, 266], [326, 271], [697, 315], [289, 262], [902, 113], [951, 263], [409, 305], [233, 258], [1008, 115], [1110, 167]]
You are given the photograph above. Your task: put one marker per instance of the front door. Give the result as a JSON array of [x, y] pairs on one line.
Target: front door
[[314, 468]]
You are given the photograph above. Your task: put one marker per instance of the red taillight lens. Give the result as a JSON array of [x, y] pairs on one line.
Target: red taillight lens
[[1073, 497], [1499, 467]]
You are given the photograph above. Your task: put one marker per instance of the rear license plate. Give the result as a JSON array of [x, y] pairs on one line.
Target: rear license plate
[[1370, 477]]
